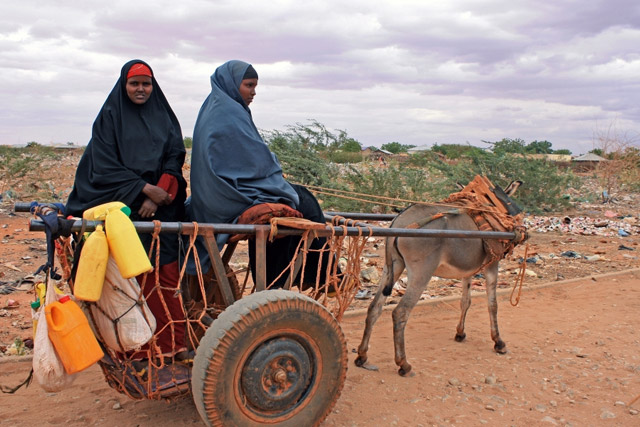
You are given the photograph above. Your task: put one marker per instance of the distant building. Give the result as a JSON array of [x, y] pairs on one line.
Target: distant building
[[586, 162], [558, 158], [419, 149]]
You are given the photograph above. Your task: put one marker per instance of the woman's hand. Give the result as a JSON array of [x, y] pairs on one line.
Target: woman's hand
[[148, 208], [156, 195]]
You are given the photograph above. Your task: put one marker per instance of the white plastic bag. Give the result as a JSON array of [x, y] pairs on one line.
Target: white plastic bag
[[135, 323], [47, 367]]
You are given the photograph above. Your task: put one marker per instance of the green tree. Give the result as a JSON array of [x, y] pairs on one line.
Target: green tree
[[396, 147], [562, 151], [299, 162], [455, 151], [544, 184], [188, 142], [539, 147], [349, 145], [507, 145]]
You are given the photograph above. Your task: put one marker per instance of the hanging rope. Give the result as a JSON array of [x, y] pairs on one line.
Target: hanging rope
[[370, 198], [520, 278]]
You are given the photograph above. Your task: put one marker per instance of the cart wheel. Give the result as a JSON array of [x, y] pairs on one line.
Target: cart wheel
[[274, 357]]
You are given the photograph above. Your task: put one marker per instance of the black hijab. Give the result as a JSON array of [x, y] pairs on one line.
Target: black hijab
[[131, 145]]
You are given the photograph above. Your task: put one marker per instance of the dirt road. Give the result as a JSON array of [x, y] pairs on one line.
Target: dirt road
[[574, 359]]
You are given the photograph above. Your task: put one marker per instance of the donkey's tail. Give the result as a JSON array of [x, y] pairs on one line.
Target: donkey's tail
[[389, 261]]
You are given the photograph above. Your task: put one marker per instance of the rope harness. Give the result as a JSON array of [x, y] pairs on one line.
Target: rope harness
[[489, 214]]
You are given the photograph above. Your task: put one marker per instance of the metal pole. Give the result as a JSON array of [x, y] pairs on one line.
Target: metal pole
[[187, 228]]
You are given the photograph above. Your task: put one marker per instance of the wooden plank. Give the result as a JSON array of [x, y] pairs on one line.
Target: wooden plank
[[261, 256], [218, 267]]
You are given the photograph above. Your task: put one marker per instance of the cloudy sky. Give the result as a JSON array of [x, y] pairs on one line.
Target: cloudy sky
[[412, 71]]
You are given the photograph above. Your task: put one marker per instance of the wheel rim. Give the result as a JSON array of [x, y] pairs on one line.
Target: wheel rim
[[277, 376]]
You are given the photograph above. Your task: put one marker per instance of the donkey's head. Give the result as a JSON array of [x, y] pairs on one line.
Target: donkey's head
[[505, 197]]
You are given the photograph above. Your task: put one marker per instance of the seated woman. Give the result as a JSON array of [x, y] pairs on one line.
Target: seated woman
[[135, 156], [232, 169]]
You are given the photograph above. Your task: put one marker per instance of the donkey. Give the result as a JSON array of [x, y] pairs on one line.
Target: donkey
[[450, 258]]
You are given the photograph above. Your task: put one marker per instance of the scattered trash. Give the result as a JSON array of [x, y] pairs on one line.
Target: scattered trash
[[610, 214], [11, 303], [622, 233], [7, 288], [625, 248], [17, 348], [582, 225], [363, 294], [11, 266], [570, 254]]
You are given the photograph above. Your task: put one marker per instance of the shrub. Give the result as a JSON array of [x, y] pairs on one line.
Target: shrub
[[543, 183]]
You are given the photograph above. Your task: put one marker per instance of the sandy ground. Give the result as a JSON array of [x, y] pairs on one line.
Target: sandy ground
[[574, 359], [574, 349]]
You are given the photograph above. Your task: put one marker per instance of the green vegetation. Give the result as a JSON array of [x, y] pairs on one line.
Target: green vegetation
[[30, 162], [313, 155], [519, 146], [396, 147], [456, 151], [543, 188]]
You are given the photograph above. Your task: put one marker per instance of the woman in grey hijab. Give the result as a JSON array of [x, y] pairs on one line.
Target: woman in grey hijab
[[233, 169]]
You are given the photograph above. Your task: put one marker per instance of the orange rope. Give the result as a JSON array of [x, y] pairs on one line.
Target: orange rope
[[335, 193], [520, 278]]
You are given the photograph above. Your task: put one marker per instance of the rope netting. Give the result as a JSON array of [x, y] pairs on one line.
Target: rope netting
[[175, 308]]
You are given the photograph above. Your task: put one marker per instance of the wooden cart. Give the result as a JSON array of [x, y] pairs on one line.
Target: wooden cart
[[275, 357]]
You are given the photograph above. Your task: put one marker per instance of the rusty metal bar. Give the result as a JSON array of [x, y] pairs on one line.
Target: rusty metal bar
[[187, 228]]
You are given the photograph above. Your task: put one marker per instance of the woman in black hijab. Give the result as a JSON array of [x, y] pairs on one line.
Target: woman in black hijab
[[135, 156]]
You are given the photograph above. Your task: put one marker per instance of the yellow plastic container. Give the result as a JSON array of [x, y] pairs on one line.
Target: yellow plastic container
[[125, 245], [99, 213], [71, 335], [92, 267], [41, 292]]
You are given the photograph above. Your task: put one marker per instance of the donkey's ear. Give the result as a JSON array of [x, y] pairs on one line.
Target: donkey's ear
[[511, 188], [460, 186]]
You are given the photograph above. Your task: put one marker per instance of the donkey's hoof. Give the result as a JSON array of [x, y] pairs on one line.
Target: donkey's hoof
[[460, 337], [405, 371], [500, 347], [360, 361]]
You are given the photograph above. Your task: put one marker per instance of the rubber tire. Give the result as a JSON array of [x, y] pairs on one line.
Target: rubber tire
[[246, 328]]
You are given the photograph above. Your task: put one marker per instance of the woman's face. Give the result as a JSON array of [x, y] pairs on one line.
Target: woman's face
[[139, 89], [248, 90]]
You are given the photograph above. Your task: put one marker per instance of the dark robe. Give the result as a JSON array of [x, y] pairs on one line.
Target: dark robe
[[231, 166], [233, 169], [132, 145]]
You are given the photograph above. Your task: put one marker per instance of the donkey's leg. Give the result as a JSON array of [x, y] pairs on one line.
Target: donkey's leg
[[417, 280], [465, 303], [491, 273], [375, 308]]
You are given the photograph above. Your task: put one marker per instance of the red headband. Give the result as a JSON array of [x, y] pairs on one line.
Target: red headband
[[139, 69]]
